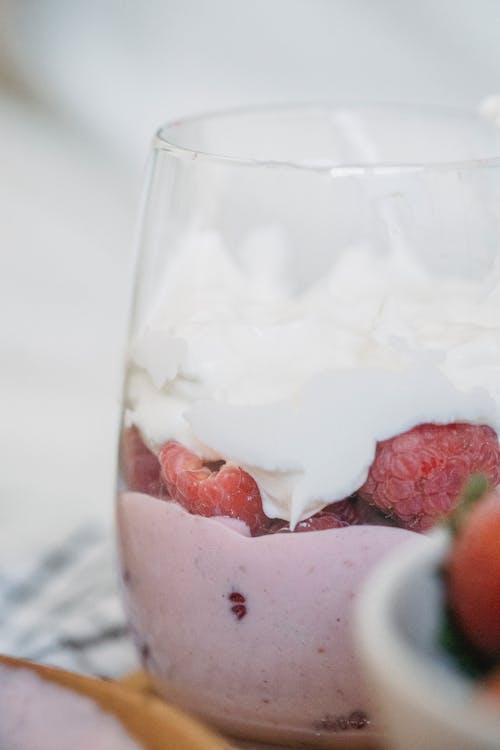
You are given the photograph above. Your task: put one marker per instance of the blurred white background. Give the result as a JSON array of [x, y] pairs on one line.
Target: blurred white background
[[83, 86]]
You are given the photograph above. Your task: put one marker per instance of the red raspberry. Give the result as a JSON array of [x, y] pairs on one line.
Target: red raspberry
[[141, 468], [334, 516], [418, 476], [473, 576], [212, 488]]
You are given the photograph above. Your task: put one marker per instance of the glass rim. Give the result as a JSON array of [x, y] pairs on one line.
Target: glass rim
[[162, 141]]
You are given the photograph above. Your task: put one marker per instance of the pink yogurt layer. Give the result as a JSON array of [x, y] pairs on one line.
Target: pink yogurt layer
[[252, 634]]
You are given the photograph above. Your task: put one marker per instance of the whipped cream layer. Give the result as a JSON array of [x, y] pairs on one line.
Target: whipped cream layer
[[297, 387]]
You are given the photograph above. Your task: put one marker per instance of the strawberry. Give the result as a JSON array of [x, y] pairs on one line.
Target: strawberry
[[490, 689], [211, 488], [473, 576], [140, 467], [334, 516], [417, 477]]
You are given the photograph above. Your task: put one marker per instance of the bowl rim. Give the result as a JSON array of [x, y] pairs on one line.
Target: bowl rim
[[435, 691]]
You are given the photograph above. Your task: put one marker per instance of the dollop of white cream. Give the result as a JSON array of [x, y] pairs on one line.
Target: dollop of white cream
[[298, 387]]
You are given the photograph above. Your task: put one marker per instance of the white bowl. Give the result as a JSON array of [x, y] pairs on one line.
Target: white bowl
[[419, 696]]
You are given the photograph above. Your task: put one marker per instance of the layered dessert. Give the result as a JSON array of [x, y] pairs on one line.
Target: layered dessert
[[278, 441]]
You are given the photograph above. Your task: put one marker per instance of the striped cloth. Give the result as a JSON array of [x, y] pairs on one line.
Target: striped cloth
[[63, 607]]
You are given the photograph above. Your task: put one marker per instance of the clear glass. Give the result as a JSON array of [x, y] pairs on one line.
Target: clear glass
[[281, 249]]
